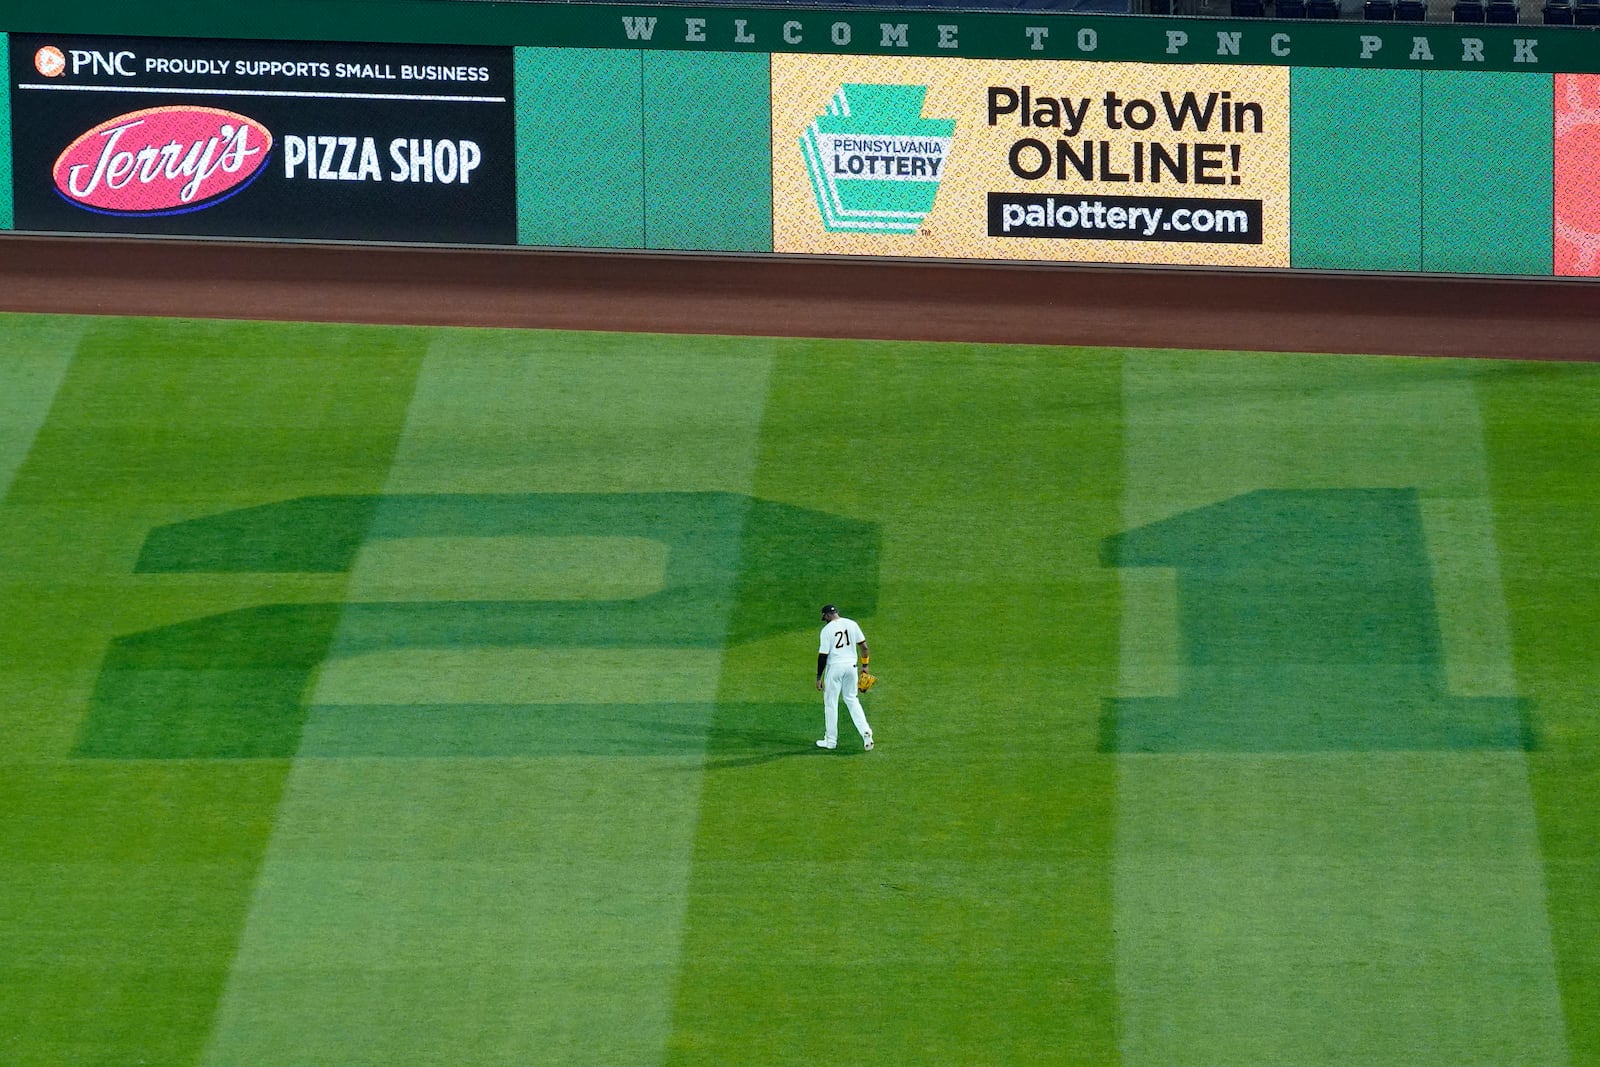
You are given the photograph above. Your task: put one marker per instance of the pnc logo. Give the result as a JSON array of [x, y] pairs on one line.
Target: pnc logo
[[50, 62], [109, 64], [162, 161]]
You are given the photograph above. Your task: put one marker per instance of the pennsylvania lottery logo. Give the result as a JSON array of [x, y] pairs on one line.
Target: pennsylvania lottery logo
[[875, 163]]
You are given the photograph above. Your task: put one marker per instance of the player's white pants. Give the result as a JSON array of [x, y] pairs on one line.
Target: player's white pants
[[841, 681]]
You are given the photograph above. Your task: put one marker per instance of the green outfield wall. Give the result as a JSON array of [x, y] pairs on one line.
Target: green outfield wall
[[948, 135], [5, 143]]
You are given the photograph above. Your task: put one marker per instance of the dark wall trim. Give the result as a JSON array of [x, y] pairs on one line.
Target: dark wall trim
[[1267, 311]]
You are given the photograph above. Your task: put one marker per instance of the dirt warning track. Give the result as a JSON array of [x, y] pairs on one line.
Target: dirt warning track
[[775, 296]]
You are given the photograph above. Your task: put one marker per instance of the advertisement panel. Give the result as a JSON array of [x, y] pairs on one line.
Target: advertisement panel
[[1577, 159], [263, 139], [1060, 161]]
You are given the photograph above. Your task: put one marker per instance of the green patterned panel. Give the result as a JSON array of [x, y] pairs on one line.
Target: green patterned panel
[[5, 141], [579, 149], [1355, 158], [708, 152], [1487, 169]]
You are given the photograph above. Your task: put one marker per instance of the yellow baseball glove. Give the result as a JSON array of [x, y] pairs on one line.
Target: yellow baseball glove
[[865, 680]]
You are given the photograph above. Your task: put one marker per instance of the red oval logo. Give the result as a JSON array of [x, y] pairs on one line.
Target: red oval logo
[[162, 161]]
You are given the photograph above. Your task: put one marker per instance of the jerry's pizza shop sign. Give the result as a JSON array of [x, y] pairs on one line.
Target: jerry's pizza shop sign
[[199, 137]]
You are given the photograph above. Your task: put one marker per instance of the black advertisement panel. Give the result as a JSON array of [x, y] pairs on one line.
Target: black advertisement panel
[[315, 141]]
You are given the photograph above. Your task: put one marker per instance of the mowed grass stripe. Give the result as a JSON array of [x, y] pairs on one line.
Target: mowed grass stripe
[[1544, 454], [126, 881], [1365, 890], [946, 898], [520, 902], [36, 350], [35, 353]]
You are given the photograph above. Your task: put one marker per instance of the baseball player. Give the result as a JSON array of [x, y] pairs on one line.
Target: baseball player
[[836, 676]]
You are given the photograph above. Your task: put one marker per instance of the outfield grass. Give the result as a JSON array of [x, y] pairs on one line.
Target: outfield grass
[[382, 695]]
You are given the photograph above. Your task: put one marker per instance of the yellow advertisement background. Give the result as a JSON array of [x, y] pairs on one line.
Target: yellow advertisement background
[[958, 88]]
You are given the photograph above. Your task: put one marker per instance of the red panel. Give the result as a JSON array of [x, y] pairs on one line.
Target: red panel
[[1577, 177]]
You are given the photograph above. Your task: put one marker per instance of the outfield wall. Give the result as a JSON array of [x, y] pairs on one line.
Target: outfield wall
[[983, 137]]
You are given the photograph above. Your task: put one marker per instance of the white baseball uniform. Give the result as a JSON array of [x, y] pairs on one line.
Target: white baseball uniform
[[839, 640]]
